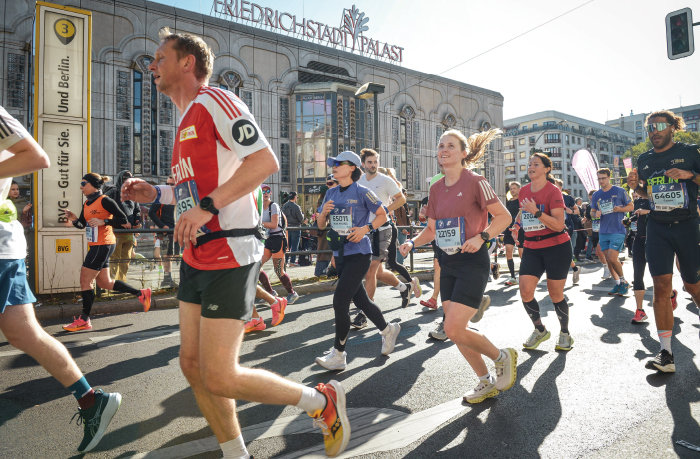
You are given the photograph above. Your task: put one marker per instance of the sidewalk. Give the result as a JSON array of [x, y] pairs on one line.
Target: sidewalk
[[140, 276]]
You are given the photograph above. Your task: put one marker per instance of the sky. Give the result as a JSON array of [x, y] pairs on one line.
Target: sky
[[595, 59]]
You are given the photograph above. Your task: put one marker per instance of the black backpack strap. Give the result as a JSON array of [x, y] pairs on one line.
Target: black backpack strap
[[237, 232]]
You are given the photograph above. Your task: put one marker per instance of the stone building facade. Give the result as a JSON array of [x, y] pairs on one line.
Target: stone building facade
[[300, 91]]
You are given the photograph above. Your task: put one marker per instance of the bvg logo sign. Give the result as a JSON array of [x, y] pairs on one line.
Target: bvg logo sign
[[62, 245], [244, 132], [65, 30]]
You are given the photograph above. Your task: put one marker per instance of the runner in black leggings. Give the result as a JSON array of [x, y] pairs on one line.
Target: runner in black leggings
[[348, 207]]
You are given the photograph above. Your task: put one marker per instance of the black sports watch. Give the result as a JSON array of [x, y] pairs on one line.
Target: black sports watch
[[485, 236], [538, 214], [207, 204]]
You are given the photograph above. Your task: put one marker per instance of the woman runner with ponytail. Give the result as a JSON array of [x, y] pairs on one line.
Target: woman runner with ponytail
[[98, 216], [458, 208], [547, 249]]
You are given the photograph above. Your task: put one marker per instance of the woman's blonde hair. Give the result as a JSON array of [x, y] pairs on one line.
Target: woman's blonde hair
[[475, 145]]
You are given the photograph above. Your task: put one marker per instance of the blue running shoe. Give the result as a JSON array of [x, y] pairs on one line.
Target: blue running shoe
[[624, 288], [615, 290]]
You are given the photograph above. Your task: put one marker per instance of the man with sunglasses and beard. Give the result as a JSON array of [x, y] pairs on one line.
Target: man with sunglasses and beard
[[668, 175]]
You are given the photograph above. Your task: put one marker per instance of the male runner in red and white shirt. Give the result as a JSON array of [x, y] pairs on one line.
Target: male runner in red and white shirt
[[219, 160]]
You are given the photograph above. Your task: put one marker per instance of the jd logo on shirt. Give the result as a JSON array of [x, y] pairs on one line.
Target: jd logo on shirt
[[244, 133]]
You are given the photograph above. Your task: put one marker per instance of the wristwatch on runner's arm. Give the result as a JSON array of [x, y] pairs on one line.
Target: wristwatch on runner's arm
[[207, 204], [485, 236]]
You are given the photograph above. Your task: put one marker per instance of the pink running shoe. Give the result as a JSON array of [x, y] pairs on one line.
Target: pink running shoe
[[674, 299], [278, 308], [78, 325], [145, 299], [431, 303], [255, 324], [639, 316]]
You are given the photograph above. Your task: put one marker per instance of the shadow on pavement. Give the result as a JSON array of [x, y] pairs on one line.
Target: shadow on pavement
[[524, 420]]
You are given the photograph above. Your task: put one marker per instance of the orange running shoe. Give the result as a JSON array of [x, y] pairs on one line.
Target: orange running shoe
[[255, 324], [78, 324], [278, 308], [145, 299], [333, 419]]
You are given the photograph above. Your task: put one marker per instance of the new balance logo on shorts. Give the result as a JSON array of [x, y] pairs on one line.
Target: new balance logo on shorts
[[213, 307]]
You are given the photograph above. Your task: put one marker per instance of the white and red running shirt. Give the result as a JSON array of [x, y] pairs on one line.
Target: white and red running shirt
[[216, 132]]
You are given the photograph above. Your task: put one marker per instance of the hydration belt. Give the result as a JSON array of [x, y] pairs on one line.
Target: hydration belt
[[544, 236], [258, 232]]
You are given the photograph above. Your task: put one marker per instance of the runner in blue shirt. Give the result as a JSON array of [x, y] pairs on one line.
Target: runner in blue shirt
[[347, 209], [611, 203]]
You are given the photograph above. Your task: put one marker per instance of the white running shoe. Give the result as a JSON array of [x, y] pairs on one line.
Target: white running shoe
[[483, 306], [606, 273], [333, 359], [389, 335], [577, 276], [507, 370], [439, 332], [536, 338], [417, 290], [481, 392]]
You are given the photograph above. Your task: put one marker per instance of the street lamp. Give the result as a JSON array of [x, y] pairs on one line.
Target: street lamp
[[367, 91]]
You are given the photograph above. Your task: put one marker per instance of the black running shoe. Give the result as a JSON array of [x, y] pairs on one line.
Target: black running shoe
[[360, 321], [662, 362], [406, 295], [495, 271]]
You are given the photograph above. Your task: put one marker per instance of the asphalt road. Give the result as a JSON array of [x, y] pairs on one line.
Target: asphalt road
[[598, 400]]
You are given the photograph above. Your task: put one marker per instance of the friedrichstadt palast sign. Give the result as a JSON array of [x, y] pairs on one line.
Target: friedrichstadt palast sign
[[348, 36]]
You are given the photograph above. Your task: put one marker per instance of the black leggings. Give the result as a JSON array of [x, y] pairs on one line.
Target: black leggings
[[403, 272], [351, 271], [639, 261]]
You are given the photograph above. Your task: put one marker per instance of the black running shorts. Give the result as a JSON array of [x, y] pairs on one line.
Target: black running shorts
[[381, 238], [463, 276], [223, 293], [97, 257], [276, 242], [666, 240], [555, 261]]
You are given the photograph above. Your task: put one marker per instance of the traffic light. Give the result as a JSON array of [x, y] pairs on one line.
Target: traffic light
[[679, 33]]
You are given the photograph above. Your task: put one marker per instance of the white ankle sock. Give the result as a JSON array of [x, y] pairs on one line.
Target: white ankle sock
[[235, 448], [311, 400], [402, 287]]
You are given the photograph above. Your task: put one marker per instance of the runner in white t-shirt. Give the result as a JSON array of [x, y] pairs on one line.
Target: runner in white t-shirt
[[390, 194], [20, 155], [220, 158]]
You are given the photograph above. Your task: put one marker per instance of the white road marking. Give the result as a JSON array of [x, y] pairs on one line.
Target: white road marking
[[373, 430]]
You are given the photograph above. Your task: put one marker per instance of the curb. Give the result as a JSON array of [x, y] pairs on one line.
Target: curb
[[167, 300]]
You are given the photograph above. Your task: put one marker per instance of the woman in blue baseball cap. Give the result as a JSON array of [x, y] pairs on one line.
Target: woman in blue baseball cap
[[347, 208]]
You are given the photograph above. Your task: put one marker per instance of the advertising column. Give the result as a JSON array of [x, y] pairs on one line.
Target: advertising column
[[62, 128]]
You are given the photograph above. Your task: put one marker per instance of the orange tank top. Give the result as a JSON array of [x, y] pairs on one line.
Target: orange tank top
[[101, 235]]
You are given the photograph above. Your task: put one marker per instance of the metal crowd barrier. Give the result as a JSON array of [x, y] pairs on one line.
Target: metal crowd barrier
[[412, 230]]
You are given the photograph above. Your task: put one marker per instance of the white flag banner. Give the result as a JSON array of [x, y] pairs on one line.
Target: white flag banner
[[585, 166]]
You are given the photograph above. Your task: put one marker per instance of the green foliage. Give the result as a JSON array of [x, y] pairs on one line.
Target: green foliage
[[682, 136]]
